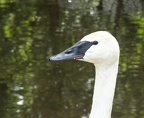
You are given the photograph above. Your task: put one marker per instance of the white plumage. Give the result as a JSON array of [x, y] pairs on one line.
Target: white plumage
[[101, 49]]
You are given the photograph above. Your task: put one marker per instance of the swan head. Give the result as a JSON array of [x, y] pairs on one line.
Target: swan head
[[99, 48]]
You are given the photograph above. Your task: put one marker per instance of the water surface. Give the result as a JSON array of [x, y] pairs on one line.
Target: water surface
[[31, 31]]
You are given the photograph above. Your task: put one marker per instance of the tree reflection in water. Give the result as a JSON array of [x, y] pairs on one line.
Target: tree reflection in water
[[31, 31]]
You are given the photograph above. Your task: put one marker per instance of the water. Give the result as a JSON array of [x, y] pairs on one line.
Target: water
[[31, 31]]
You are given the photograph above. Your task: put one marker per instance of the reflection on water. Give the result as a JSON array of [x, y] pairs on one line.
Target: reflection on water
[[31, 31]]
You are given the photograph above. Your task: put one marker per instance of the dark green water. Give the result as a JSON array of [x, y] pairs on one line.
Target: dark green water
[[32, 30]]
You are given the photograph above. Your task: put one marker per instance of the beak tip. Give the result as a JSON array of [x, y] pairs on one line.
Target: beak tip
[[51, 58], [56, 58]]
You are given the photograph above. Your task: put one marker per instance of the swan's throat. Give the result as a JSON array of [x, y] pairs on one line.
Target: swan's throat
[[104, 88]]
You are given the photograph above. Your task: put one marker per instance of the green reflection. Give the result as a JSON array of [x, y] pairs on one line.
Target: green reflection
[[31, 31]]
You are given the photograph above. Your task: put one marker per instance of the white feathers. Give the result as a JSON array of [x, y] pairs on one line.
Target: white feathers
[[106, 51], [105, 57], [101, 49]]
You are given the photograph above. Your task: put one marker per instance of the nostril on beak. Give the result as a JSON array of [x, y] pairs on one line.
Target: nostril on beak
[[68, 51]]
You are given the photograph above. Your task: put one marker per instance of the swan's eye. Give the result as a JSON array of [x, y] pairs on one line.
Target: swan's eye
[[95, 43]]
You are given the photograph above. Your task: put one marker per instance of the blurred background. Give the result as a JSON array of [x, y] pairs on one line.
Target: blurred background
[[33, 30]]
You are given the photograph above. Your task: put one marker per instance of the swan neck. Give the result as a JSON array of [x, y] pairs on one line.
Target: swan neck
[[104, 88]]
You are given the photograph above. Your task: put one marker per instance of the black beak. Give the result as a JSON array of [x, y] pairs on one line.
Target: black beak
[[77, 51]]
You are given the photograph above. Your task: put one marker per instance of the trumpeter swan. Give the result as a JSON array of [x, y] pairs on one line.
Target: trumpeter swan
[[101, 49]]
